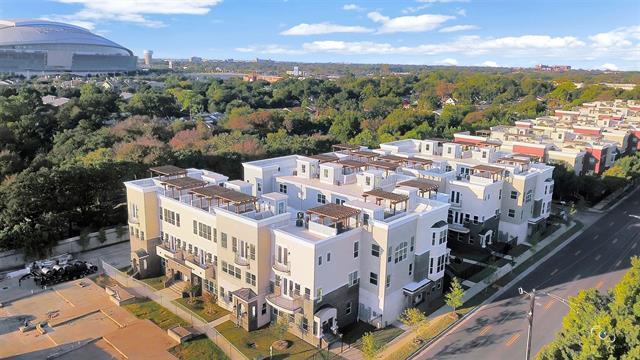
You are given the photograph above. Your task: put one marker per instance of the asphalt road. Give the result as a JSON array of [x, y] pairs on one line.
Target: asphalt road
[[596, 258]]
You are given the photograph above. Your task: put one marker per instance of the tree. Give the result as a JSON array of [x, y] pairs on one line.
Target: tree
[[191, 289], [415, 319], [454, 297], [210, 301], [370, 346], [84, 238], [601, 326], [279, 328], [102, 236], [121, 231]]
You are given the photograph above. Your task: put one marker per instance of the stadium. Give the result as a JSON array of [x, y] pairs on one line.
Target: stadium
[[47, 46]]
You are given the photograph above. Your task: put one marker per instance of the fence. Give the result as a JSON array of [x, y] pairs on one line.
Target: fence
[[141, 289]]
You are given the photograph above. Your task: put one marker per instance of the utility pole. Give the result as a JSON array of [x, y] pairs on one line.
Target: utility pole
[[532, 295]]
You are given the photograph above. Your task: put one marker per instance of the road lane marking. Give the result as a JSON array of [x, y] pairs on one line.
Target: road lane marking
[[554, 272], [614, 241], [598, 257], [612, 223], [577, 277], [485, 330], [513, 339], [625, 212], [550, 304], [599, 284], [578, 252], [634, 245], [618, 263], [596, 236]]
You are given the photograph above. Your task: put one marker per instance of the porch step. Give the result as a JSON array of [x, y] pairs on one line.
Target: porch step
[[178, 287]]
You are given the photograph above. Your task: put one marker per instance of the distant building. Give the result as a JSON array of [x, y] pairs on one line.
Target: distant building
[[255, 77], [553, 68], [195, 60], [148, 57], [54, 100], [47, 46]]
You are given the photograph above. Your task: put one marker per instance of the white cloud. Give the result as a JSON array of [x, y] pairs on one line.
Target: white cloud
[[490, 63], [448, 61], [455, 28], [414, 9], [133, 11], [323, 28], [269, 49], [617, 38], [352, 7], [461, 12], [609, 66], [418, 23]]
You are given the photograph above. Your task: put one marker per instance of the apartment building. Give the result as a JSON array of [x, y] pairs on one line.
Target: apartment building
[[320, 241], [496, 197]]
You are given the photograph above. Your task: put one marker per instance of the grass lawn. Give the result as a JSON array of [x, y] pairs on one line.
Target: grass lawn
[[198, 348], [263, 339], [198, 309], [353, 334], [103, 280], [155, 282], [149, 309]]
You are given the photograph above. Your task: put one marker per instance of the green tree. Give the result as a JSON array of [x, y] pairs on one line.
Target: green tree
[[601, 326], [279, 328], [84, 238], [454, 297], [415, 319], [102, 235], [370, 346], [121, 231], [345, 126]]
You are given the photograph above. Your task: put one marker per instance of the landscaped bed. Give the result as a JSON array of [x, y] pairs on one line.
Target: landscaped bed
[[257, 343], [155, 282], [149, 309], [198, 348], [198, 308], [353, 333]]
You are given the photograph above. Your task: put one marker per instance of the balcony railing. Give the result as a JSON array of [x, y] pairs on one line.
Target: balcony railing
[[281, 267], [133, 220], [279, 301], [240, 260]]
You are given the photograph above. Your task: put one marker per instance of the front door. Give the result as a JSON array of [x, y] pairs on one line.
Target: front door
[[326, 325]]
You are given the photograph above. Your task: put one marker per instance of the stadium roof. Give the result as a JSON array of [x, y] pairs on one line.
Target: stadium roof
[[38, 32]]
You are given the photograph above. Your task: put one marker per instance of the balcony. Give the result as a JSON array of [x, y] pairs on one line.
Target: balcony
[[133, 220], [240, 260], [283, 303], [203, 270], [281, 267], [456, 204]]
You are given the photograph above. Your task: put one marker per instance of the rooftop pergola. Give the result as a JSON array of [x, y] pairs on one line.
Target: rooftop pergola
[[167, 170], [323, 158], [345, 147], [423, 185], [365, 154], [352, 163], [381, 195], [181, 183], [488, 171], [385, 165], [223, 196], [338, 215]]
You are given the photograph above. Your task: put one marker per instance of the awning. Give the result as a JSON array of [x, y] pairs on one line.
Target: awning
[[458, 228], [414, 287]]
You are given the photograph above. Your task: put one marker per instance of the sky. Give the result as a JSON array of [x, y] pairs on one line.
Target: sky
[[587, 34]]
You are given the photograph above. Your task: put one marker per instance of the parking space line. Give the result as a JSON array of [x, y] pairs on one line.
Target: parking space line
[[596, 236], [634, 245], [485, 330], [546, 307], [578, 252], [614, 241], [612, 223], [513, 339], [598, 257], [554, 272]]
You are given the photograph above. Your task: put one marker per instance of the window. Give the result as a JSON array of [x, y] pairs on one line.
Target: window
[[258, 186], [373, 278], [401, 252], [514, 195], [319, 294], [367, 180], [325, 173], [234, 244], [353, 278], [305, 324], [251, 278], [375, 250], [161, 214], [512, 213], [475, 219], [319, 260], [412, 243], [264, 309], [433, 239], [177, 220], [466, 217], [328, 257], [304, 168], [387, 282], [365, 219], [500, 194], [215, 235], [322, 199], [389, 253], [528, 197], [427, 146], [283, 188], [356, 249], [223, 240], [431, 266], [347, 308], [252, 252], [410, 269], [204, 231], [195, 227]]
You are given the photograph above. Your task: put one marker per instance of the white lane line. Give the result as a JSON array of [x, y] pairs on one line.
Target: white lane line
[[578, 277], [578, 252], [618, 263], [596, 236], [598, 257], [612, 223], [554, 272], [634, 245], [614, 241]]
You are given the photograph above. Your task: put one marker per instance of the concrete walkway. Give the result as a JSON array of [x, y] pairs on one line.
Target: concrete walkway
[[351, 353]]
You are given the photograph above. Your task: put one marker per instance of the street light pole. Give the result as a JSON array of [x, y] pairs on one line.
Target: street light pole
[[532, 295]]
